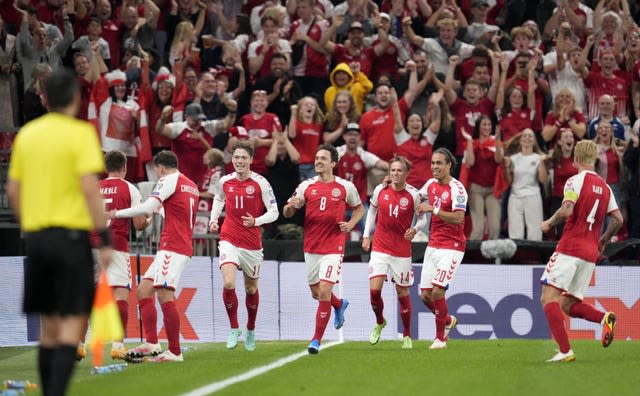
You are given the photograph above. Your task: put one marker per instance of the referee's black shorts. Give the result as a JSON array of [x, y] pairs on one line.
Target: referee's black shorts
[[59, 272]]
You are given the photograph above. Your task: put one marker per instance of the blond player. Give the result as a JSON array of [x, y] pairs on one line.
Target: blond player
[[588, 200]]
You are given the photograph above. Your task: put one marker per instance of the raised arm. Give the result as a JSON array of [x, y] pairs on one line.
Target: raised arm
[[325, 40], [411, 35], [449, 93], [495, 76]]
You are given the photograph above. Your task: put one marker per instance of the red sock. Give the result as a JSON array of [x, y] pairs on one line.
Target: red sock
[[252, 301], [405, 314], [586, 311], [555, 319], [149, 319], [172, 325], [335, 301], [442, 311], [377, 304], [123, 308], [429, 304], [322, 318], [231, 304]]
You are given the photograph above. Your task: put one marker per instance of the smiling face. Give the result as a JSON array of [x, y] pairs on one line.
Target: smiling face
[[605, 133], [415, 126], [323, 163], [383, 96], [606, 105], [516, 99], [120, 90], [527, 139], [241, 161], [343, 103], [398, 173], [485, 127], [440, 168], [307, 107], [259, 103], [165, 90]]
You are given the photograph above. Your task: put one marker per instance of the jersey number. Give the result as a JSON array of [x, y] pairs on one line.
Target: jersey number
[[239, 201], [393, 210], [592, 215], [323, 203]]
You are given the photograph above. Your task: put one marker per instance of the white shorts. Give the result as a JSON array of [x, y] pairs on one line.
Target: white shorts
[[326, 267], [401, 269], [569, 274], [118, 271], [248, 261], [439, 267], [166, 269]]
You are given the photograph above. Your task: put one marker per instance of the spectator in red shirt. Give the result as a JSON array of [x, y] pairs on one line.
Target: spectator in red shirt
[[563, 169], [305, 128]]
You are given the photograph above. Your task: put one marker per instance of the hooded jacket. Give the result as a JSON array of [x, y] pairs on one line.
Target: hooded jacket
[[359, 86]]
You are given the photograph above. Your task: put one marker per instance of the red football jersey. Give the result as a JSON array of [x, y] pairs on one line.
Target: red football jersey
[[353, 167], [450, 197], [593, 201], [394, 218], [561, 173], [365, 57], [117, 194], [253, 195], [179, 197], [376, 127], [189, 149], [308, 136], [466, 116], [326, 204], [260, 128]]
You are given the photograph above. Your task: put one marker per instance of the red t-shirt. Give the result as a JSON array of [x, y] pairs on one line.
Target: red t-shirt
[[260, 128], [376, 130], [307, 139]]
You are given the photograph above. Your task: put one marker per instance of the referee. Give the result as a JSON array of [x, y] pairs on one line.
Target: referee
[[53, 191]]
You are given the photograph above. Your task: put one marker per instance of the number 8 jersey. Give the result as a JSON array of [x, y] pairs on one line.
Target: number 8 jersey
[[326, 204]]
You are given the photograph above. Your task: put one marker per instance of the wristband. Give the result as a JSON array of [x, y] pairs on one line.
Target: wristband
[[436, 210], [105, 238]]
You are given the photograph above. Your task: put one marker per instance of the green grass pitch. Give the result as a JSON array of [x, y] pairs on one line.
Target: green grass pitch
[[496, 367]]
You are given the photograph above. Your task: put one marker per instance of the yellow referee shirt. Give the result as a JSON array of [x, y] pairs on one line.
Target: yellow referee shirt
[[50, 154]]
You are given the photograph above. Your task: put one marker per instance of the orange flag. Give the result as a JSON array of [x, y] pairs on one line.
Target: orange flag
[[105, 321]]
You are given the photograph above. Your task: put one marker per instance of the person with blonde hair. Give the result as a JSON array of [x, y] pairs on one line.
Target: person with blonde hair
[[587, 201], [305, 130], [564, 114], [343, 112], [524, 170], [610, 165]]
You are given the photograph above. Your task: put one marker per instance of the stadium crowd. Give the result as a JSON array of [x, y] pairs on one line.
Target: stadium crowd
[[508, 86]]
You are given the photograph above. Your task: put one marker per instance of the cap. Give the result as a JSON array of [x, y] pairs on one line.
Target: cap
[[478, 3], [164, 75], [355, 25], [384, 15], [116, 77], [352, 127], [194, 110]]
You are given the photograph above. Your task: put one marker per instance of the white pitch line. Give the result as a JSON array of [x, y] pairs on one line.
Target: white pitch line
[[216, 386]]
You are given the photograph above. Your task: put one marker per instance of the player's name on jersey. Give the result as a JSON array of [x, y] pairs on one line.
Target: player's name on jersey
[[109, 190]]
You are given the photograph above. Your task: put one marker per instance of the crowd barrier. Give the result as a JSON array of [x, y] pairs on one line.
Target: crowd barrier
[[490, 302]]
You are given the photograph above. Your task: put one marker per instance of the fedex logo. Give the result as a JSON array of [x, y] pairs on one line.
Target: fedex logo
[[519, 314]]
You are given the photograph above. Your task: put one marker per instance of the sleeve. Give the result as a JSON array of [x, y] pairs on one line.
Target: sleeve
[[146, 208], [299, 193], [424, 191], [613, 205], [401, 137], [459, 197], [165, 187], [431, 136], [135, 196], [369, 159], [353, 198], [252, 51], [218, 201], [374, 197], [371, 219], [213, 126], [269, 201], [176, 129], [572, 189], [285, 48]]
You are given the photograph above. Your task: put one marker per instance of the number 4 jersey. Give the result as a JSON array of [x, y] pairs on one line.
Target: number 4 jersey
[[593, 201]]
